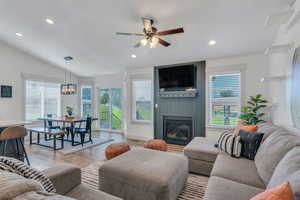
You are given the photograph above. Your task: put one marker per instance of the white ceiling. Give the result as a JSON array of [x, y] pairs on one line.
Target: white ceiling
[[85, 29]]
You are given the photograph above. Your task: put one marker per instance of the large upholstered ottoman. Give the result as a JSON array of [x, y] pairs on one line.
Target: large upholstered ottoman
[[144, 174], [202, 155]]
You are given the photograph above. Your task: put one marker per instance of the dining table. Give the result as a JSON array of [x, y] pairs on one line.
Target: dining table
[[71, 121], [11, 148]]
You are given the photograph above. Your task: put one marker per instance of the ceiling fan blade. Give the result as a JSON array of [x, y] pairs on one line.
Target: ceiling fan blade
[[172, 31], [129, 34], [163, 42], [147, 24]]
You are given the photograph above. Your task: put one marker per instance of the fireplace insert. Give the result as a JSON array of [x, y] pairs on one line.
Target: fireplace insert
[[178, 130]]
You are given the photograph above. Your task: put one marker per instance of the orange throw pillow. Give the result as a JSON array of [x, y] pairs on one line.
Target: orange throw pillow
[[248, 128], [282, 192]]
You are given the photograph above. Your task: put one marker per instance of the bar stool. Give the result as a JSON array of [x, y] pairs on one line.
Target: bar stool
[[16, 134]]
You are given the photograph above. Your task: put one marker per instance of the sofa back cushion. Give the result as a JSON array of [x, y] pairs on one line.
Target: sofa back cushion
[[288, 169], [267, 129], [272, 150], [13, 186]]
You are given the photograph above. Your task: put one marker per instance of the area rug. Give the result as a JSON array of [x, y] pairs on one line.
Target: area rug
[[97, 141], [194, 189], [171, 147]]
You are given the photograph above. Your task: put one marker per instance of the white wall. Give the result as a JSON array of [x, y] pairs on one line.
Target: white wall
[[280, 64], [253, 68], [13, 65], [138, 130]]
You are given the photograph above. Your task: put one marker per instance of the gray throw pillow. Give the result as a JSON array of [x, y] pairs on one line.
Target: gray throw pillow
[[288, 169], [272, 150]]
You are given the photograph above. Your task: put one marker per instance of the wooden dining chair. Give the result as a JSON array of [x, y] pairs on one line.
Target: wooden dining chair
[[16, 134], [50, 123]]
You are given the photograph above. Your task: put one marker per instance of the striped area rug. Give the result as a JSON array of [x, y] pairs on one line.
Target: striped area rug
[[194, 189], [171, 147]]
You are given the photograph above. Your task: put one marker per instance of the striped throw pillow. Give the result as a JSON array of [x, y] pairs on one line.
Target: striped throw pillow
[[17, 167], [230, 144]]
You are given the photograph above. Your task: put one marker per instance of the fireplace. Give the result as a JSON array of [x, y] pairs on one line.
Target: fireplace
[[178, 130]]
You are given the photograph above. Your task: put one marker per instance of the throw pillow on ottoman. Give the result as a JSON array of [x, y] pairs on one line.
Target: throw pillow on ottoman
[[144, 174], [116, 149], [159, 145]]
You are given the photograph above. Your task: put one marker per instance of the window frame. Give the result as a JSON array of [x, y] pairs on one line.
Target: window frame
[[133, 100], [209, 93], [26, 78], [83, 101]]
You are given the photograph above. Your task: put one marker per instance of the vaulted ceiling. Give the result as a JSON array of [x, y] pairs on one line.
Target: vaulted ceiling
[[86, 30]]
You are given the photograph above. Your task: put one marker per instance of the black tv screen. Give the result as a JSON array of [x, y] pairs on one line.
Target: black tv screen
[[177, 78]]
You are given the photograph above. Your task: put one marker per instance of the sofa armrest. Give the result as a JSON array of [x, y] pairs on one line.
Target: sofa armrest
[[64, 177]]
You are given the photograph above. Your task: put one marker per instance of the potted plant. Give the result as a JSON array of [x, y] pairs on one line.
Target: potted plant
[[69, 110], [252, 114]]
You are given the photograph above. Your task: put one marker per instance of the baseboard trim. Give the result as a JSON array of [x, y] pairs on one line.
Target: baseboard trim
[[134, 137]]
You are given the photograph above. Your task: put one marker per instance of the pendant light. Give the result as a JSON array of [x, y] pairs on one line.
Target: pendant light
[[68, 88]]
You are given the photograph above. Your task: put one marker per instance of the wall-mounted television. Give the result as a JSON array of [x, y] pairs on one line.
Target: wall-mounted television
[[6, 91], [178, 78]]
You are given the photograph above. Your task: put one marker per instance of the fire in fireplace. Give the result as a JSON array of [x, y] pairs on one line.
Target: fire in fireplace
[[178, 130]]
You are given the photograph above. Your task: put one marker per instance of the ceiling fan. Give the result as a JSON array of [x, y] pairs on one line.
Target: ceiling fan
[[151, 34]]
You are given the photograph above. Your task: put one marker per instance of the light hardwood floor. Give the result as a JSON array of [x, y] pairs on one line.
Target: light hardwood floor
[[43, 158]]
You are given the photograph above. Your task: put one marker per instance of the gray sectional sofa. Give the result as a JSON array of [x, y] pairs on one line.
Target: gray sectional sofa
[[66, 179], [277, 161]]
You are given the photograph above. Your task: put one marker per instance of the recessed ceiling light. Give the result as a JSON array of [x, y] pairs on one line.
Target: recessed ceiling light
[[49, 21], [133, 56], [19, 34], [212, 42]]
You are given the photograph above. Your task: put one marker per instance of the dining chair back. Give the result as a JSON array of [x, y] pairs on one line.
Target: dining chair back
[[88, 124]]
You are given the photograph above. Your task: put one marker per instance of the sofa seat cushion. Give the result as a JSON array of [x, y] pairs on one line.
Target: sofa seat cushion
[[201, 149], [237, 169], [272, 150], [84, 192], [288, 169], [225, 189], [144, 174]]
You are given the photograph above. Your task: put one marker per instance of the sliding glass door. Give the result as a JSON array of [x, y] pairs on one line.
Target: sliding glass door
[[110, 110]]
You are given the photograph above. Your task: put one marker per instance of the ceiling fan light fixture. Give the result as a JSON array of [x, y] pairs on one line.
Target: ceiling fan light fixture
[[152, 45], [144, 42], [154, 40]]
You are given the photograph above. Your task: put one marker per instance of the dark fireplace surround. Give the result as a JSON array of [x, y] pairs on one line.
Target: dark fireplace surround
[[178, 129], [179, 116]]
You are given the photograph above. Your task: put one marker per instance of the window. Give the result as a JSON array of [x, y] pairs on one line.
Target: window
[[142, 100], [111, 108], [295, 98], [42, 98], [225, 99], [86, 101]]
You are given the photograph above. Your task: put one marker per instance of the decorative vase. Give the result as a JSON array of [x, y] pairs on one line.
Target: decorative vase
[[70, 113]]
